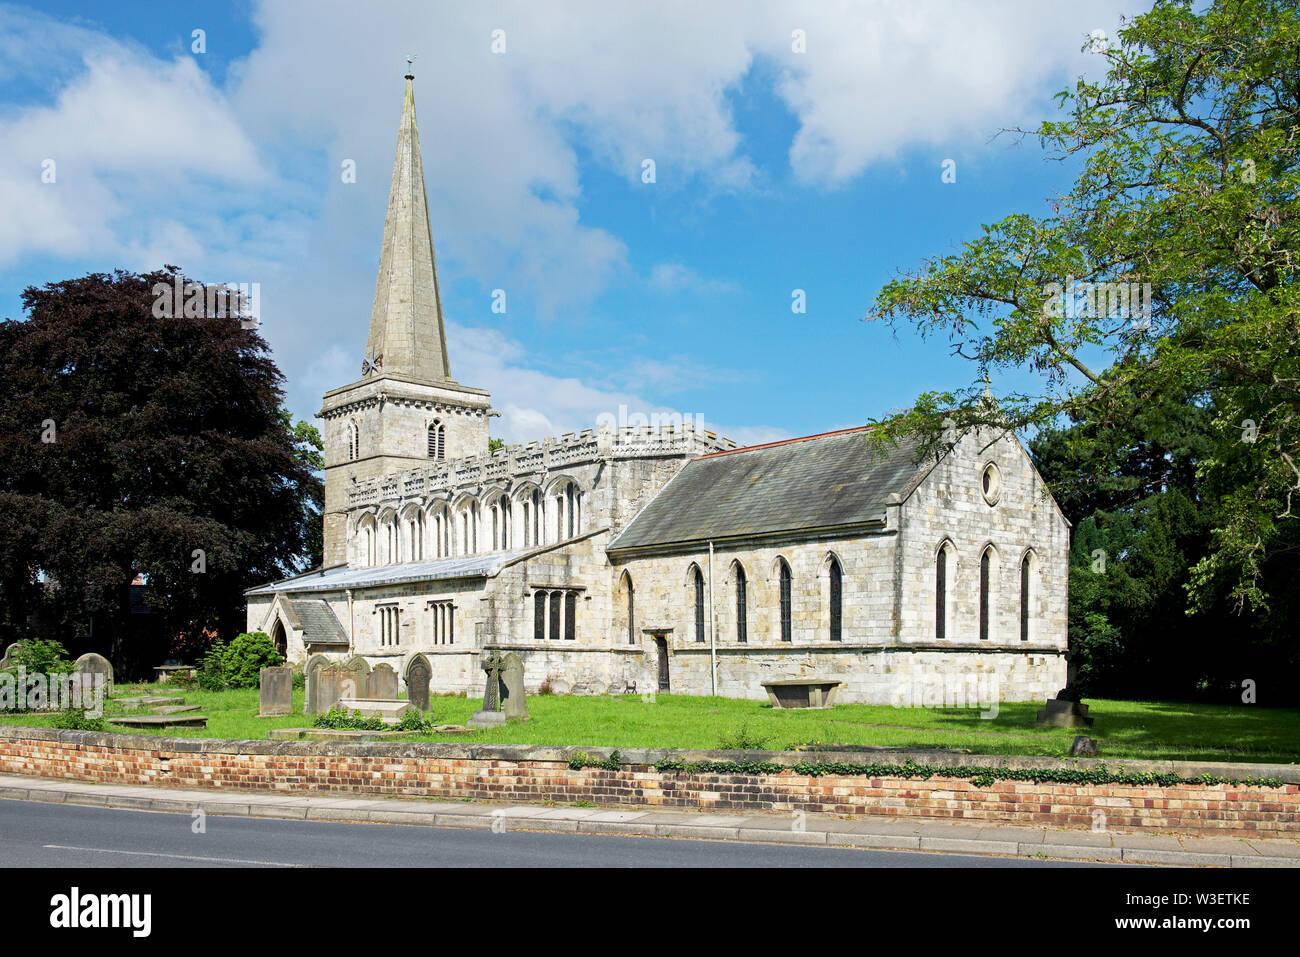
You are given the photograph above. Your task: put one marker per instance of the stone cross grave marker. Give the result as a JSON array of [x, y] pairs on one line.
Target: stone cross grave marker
[[490, 716]]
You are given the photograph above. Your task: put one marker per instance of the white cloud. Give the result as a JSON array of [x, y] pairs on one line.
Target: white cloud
[[158, 165], [676, 277], [145, 154]]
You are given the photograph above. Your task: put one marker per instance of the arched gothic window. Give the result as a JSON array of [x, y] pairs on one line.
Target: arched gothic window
[[625, 582], [837, 599], [1025, 575], [984, 596], [742, 623], [786, 588], [944, 566], [698, 580]]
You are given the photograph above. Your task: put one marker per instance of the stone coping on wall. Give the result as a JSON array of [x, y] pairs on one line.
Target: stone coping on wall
[[1228, 771]]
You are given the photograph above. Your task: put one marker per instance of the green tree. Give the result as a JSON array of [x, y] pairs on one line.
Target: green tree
[[309, 447], [1188, 183]]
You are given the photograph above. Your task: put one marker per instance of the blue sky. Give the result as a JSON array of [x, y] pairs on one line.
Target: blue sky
[[775, 170]]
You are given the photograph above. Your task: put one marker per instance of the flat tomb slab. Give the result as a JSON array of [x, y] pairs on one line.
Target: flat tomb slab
[[802, 692], [162, 721], [342, 734], [176, 709], [388, 710], [147, 701]]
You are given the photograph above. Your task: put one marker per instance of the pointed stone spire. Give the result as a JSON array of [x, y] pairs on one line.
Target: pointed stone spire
[[407, 337]]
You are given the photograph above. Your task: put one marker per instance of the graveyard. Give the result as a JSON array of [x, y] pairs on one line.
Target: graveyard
[[1124, 729]]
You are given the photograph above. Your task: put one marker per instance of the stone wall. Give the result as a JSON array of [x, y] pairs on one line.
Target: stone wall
[[949, 505], [519, 774]]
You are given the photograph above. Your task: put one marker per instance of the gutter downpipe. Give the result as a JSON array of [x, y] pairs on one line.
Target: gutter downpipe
[[352, 622], [713, 632]]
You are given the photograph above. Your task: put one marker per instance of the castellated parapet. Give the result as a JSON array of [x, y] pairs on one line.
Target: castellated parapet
[[533, 461]]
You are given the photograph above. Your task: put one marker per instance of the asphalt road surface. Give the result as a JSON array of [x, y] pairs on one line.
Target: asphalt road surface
[[36, 834]]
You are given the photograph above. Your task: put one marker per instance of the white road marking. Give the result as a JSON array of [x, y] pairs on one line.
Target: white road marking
[[175, 857]]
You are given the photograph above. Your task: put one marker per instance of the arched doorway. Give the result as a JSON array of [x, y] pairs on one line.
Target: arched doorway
[[280, 640]]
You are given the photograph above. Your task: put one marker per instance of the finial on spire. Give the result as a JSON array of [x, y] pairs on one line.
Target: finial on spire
[[410, 68], [988, 392]]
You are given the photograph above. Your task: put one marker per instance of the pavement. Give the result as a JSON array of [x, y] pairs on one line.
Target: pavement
[[825, 830]]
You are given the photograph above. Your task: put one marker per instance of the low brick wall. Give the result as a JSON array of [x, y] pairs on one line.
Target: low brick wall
[[524, 774]]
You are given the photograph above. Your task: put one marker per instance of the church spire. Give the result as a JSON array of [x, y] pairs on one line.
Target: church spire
[[406, 330]]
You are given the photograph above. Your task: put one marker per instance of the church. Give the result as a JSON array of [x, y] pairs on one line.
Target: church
[[665, 559]]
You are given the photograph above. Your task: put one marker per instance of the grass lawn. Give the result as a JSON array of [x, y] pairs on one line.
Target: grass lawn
[[1127, 729]]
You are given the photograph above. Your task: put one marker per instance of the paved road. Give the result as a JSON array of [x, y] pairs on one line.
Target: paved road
[[36, 834]]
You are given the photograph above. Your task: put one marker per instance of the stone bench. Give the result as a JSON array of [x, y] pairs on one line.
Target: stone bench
[[801, 693]]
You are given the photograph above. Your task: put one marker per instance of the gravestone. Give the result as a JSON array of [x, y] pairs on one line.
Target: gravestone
[[332, 683], [360, 669], [513, 703], [275, 691], [1084, 747], [314, 664], [93, 664], [8, 660], [490, 716], [1067, 709], [418, 673], [381, 682]]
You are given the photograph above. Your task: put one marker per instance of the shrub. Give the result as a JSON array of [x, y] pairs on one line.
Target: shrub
[[239, 663], [210, 673], [246, 656], [37, 655], [73, 719], [339, 719], [412, 721]]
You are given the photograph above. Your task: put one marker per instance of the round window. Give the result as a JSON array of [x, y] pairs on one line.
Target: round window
[[991, 483]]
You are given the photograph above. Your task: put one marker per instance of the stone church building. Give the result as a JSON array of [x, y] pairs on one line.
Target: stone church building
[[621, 559]]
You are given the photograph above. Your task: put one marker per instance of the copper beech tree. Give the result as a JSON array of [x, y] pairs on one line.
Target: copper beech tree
[[136, 440]]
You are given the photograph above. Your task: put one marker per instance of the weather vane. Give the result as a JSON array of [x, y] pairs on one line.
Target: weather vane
[[410, 60]]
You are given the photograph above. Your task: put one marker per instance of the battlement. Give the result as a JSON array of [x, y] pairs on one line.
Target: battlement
[[534, 459]]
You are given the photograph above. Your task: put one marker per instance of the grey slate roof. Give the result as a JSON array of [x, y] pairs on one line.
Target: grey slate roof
[[820, 482], [332, 579], [319, 623]]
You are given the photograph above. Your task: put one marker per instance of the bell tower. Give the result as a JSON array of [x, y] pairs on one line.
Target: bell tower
[[405, 410]]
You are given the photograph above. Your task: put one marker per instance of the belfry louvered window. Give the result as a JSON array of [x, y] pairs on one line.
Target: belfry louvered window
[[437, 441]]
